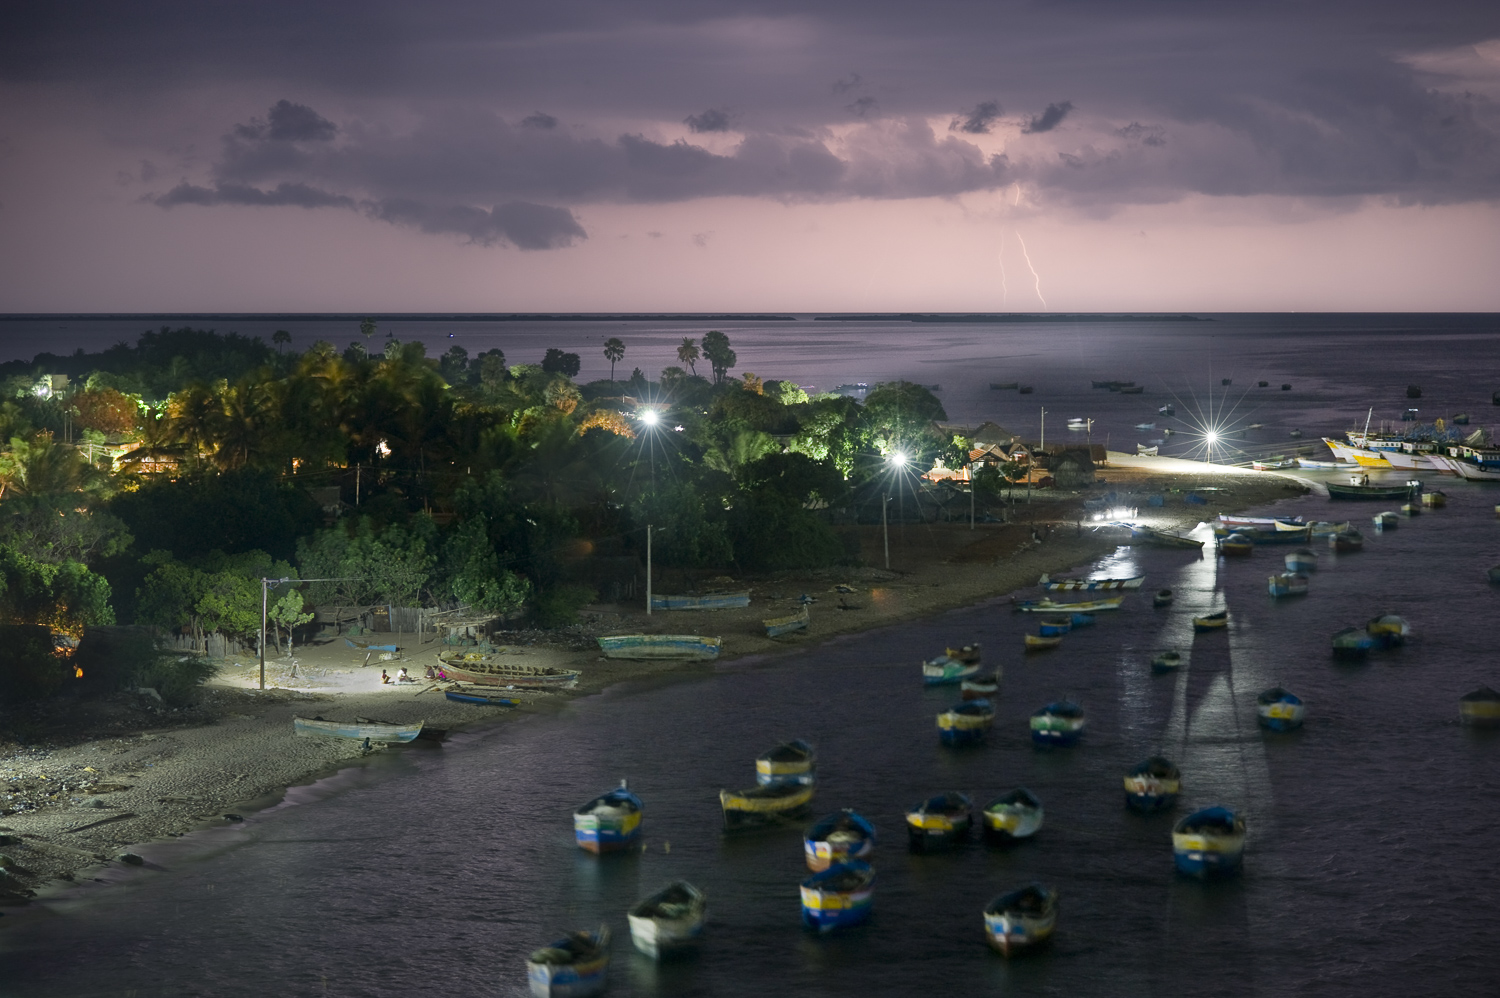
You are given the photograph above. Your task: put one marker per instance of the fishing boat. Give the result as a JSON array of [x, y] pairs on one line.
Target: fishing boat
[[842, 837], [839, 897], [1386, 521], [1237, 545], [1302, 561], [1045, 605], [937, 821], [1410, 509], [480, 697], [1163, 597], [777, 626], [1145, 426], [1278, 709], [1054, 627], [574, 966], [362, 644], [1059, 723], [765, 805], [981, 687], [1082, 620], [1352, 643], [711, 601], [1388, 630], [1434, 499], [1167, 661], [1152, 784], [1036, 643], [689, 647], [358, 730], [1211, 621], [1011, 816], [1480, 708], [1134, 582], [1162, 538], [1166, 410], [1141, 450], [492, 670], [1288, 584], [965, 723], [668, 922], [790, 763], [943, 670], [968, 654], [1347, 542], [1021, 920], [1357, 491], [1209, 843], [610, 822]]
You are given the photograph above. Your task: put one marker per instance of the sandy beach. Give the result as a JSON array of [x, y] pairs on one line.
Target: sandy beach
[[93, 779]]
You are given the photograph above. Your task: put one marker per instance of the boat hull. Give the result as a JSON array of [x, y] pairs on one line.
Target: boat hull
[[1287, 585], [1011, 822], [1037, 643], [398, 733], [943, 671], [535, 677], [1089, 606], [718, 601], [582, 980], [1049, 583], [745, 810], [939, 827], [799, 769], [1215, 622], [600, 836], [825, 908], [957, 727], [820, 851], [1049, 729], [1208, 857], [1011, 936], [639, 647], [661, 936], [482, 699], [1280, 716], [1166, 662]]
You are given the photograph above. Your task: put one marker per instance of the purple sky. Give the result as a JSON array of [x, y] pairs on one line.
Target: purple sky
[[671, 155]]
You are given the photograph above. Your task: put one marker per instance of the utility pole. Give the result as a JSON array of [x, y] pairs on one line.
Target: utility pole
[[972, 483], [356, 483], [885, 529], [264, 585], [1043, 444], [648, 569]]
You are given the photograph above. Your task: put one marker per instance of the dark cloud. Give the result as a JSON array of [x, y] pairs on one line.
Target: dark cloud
[[526, 226], [1146, 135], [288, 122], [847, 83], [539, 120], [712, 120], [1048, 119], [295, 194], [977, 121], [863, 107]]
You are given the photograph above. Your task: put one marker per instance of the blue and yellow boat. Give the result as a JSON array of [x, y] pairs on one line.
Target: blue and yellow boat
[[760, 806], [1481, 708], [1021, 920], [965, 723], [1055, 627], [1059, 723], [839, 838], [1152, 784], [1236, 545], [793, 762], [1352, 643], [1278, 709], [1211, 621], [939, 820], [1209, 843], [1011, 816], [572, 967], [610, 822], [839, 897]]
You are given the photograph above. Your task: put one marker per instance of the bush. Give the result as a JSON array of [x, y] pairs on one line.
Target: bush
[[128, 657], [29, 666], [559, 607]]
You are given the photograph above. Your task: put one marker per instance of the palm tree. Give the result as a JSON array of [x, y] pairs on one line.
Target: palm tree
[[614, 351], [687, 354], [39, 467], [281, 338]]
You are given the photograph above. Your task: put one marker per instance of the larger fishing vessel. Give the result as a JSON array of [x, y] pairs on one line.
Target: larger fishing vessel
[[1415, 447]]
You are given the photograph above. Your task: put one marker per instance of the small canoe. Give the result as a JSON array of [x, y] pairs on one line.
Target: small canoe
[[1434, 499], [794, 762], [839, 897], [1209, 843], [375, 731], [1480, 708], [765, 805], [712, 601], [1278, 709], [610, 822], [943, 670], [839, 838], [483, 699], [1011, 816], [1021, 920], [939, 820], [1052, 606], [689, 647], [1302, 561], [574, 966], [480, 669], [1162, 538], [1386, 521], [1167, 661], [668, 922], [1352, 643], [1211, 621], [1037, 643], [1053, 628], [968, 654], [1059, 723], [1388, 630], [1152, 784], [1289, 584], [981, 687], [965, 723], [1410, 509], [1051, 584], [777, 626], [1237, 545], [1163, 597]]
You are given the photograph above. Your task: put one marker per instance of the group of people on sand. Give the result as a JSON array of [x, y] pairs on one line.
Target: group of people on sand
[[402, 677]]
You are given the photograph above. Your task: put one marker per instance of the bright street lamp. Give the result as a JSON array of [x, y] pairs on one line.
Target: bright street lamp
[[650, 417]]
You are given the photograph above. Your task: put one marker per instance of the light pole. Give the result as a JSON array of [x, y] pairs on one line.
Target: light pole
[[265, 585], [972, 483], [898, 461], [1043, 444], [648, 569]]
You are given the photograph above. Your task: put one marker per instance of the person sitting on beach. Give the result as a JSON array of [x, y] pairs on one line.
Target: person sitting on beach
[[431, 674], [385, 680], [402, 677], [442, 674]]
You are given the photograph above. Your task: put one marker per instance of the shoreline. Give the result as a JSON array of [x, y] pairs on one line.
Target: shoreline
[[87, 801]]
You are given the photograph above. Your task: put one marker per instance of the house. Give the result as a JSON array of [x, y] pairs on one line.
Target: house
[[1071, 467]]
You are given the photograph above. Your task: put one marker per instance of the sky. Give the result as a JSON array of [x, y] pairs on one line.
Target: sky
[[666, 155]]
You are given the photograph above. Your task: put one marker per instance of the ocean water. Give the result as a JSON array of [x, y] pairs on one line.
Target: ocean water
[[1369, 867]]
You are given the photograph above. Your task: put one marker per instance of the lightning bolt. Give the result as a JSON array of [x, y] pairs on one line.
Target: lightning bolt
[[1034, 274]]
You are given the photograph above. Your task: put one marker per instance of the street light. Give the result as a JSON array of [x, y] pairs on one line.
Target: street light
[[650, 417], [898, 460]]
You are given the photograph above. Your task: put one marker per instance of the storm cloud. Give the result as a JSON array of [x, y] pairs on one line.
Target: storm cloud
[[977, 121], [1048, 119]]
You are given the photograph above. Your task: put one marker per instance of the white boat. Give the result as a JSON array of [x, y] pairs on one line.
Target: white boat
[[669, 921], [1021, 920], [1145, 426], [1262, 522], [1051, 606], [1302, 561], [1142, 450], [1290, 584], [1133, 582], [571, 967]]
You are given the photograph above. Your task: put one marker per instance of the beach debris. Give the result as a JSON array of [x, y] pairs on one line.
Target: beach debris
[[132, 859], [103, 821], [233, 817], [95, 802]]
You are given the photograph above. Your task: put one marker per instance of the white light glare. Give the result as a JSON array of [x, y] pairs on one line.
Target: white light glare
[[1212, 436], [650, 417], [899, 459]]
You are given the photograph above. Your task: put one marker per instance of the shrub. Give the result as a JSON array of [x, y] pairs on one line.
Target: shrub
[[559, 607], [29, 666]]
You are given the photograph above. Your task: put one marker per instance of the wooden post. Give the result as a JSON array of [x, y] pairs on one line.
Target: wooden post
[[648, 569], [263, 583]]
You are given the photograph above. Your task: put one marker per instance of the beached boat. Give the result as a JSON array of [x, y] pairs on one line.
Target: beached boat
[[1141, 450], [1279, 709], [1434, 499], [1152, 784], [711, 601], [481, 698], [1021, 920], [1385, 521], [1480, 708], [1134, 582], [765, 805], [610, 822], [981, 687], [777, 626], [1347, 542], [668, 922], [839, 897], [1059, 723], [1162, 538], [1054, 627], [943, 670], [1167, 661], [1035, 642], [939, 820], [1288, 584], [1011, 816], [793, 762], [839, 838], [1211, 621], [968, 654], [965, 723], [1302, 561], [1163, 597], [1388, 630], [492, 670], [1050, 606], [1237, 545], [364, 644], [660, 646], [358, 730], [1352, 643], [574, 966], [1209, 843]]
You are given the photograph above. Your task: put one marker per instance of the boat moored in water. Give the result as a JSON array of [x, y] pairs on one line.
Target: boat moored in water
[[981, 687], [1389, 630], [965, 723], [1480, 708], [1011, 816], [839, 897], [943, 670], [1059, 723], [939, 820], [793, 762], [1236, 544], [839, 838], [1162, 538], [1152, 784], [1035, 642], [1209, 843], [1302, 561], [1133, 582], [574, 966], [968, 654], [1347, 542], [1290, 584], [1386, 521], [1163, 597], [1167, 661], [1211, 621], [1352, 643], [1021, 920], [668, 922], [1434, 499], [610, 822], [1054, 627], [1278, 709], [765, 805]]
